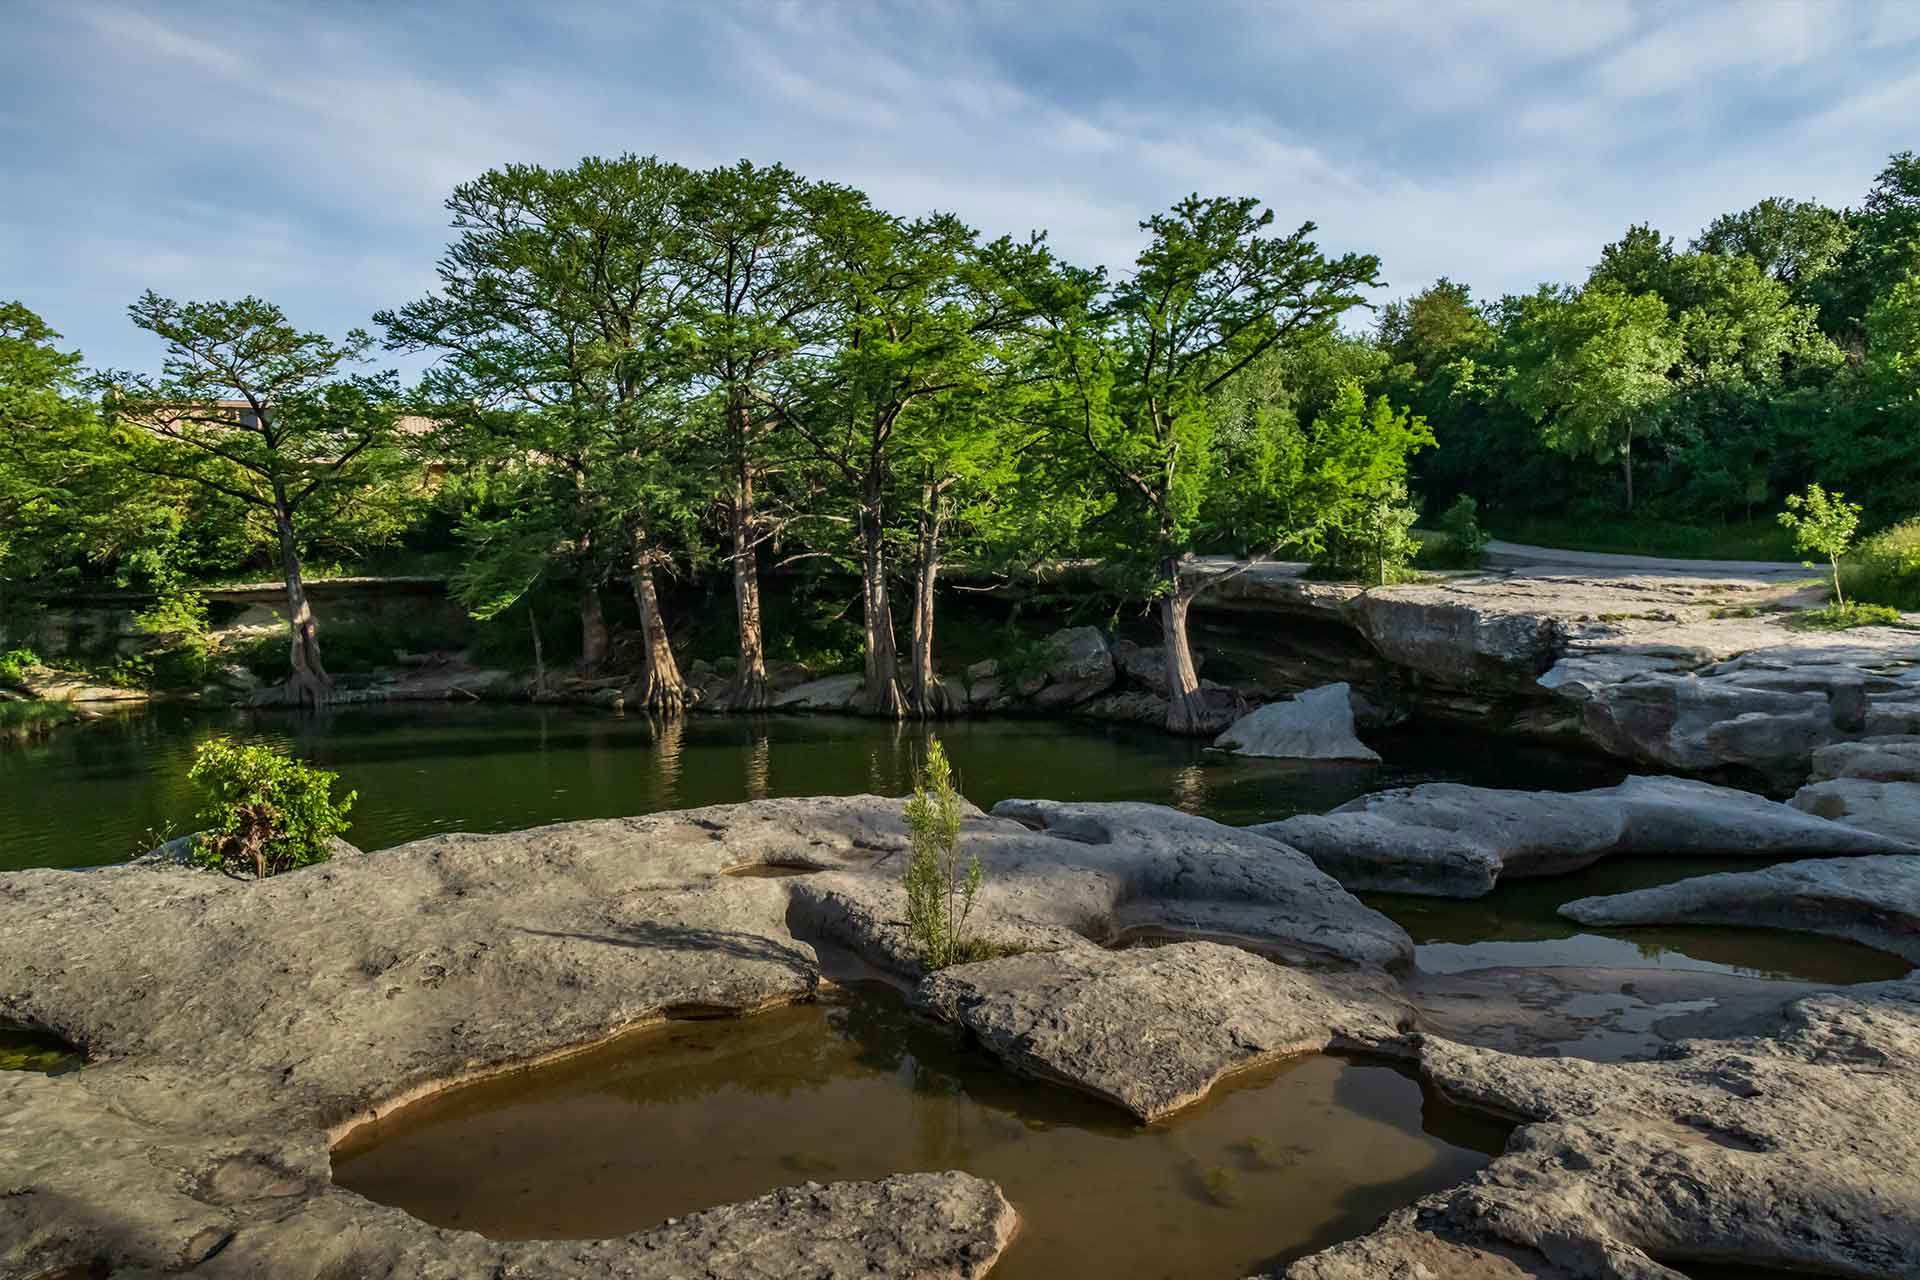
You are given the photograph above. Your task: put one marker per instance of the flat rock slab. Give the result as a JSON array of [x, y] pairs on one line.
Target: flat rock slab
[[1445, 839], [1314, 725], [1794, 1151], [1874, 900], [1890, 807], [1153, 1028], [235, 1028]]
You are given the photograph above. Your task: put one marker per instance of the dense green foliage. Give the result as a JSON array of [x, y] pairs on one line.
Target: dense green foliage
[[1885, 569], [264, 812], [1782, 346], [940, 890]]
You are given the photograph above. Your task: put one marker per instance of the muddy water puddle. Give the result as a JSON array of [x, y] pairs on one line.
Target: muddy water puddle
[[1277, 1162]]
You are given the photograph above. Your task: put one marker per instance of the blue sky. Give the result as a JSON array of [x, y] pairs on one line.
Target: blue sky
[[302, 152]]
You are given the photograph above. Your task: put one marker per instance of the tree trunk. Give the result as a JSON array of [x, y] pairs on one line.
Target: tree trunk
[[880, 694], [662, 691], [1626, 466], [926, 695], [308, 683], [539, 656], [593, 627], [1186, 707], [750, 680]]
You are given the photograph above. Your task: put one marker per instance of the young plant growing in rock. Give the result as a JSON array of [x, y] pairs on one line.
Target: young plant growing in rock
[[265, 812], [940, 893], [1825, 523]]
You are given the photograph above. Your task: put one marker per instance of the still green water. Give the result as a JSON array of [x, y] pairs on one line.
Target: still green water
[[94, 794]]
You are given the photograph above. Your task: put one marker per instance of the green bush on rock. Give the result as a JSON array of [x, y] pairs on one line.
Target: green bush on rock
[[939, 893], [1885, 569], [265, 812]]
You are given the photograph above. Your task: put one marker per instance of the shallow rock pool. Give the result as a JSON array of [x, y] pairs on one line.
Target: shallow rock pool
[[1276, 1162]]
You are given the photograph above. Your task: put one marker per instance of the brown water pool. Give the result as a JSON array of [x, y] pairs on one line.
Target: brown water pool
[[1277, 1162]]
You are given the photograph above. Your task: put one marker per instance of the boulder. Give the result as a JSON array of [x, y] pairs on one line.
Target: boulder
[[1444, 839], [1315, 725], [1871, 900], [1079, 666], [1151, 1029], [1146, 665]]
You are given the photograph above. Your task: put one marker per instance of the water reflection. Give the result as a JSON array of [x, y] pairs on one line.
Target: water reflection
[[759, 762], [669, 735]]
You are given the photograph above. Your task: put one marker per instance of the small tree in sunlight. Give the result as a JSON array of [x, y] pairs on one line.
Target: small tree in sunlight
[[940, 893], [1823, 523]]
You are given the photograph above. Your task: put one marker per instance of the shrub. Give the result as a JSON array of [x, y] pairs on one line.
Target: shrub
[[15, 664], [265, 812], [1886, 568], [1371, 540], [1822, 523], [184, 650], [1461, 525], [1841, 617], [939, 893]]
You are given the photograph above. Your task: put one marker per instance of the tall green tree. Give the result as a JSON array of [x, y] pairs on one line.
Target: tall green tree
[[1592, 369], [1138, 360], [741, 246], [251, 407], [910, 317], [1794, 241], [47, 449], [561, 368]]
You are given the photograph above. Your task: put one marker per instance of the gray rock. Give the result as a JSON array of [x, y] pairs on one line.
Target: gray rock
[[200, 1128], [1890, 808], [1884, 758], [1152, 1029], [833, 693], [1143, 867], [983, 670], [1793, 1150], [1130, 706], [1447, 840], [1315, 725], [1079, 666], [1871, 900], [1146, 665]]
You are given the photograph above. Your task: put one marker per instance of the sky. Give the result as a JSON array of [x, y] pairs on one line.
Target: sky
[[302, 152]]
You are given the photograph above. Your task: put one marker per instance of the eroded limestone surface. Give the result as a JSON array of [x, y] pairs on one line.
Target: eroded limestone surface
[[1151, 1029], [1444, 839], [235, 1027], [1794, 1150], [1875, 901]]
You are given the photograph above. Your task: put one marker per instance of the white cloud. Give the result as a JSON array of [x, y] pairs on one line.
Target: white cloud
[[303, 152]]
